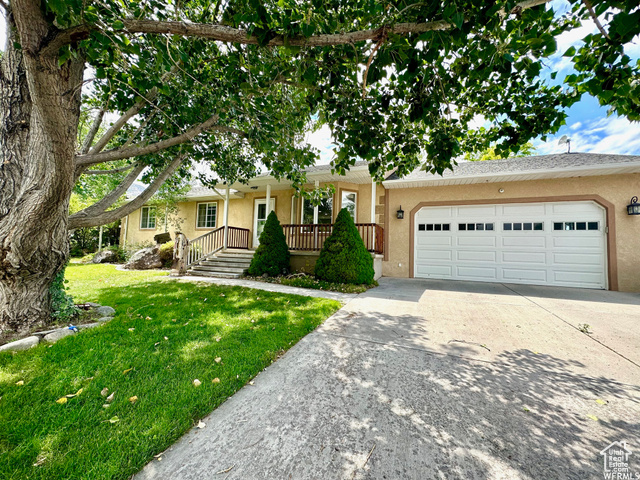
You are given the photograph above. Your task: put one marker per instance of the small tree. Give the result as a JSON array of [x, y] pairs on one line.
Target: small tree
[[344, 258], [272, 255]]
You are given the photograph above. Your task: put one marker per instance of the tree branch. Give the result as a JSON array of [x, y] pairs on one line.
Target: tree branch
[[112, 197], [91, 134], [587, 4], [224, 33], [109, 172], [145, 149], [80, 219]]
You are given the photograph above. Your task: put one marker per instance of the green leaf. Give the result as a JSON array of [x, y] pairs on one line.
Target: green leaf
[[118, 25], [571, 51]]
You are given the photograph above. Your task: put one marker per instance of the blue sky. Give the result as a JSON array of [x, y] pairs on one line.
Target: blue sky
[[588, 126]]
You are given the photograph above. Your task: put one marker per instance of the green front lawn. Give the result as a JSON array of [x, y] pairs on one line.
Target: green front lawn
[[165, 335]]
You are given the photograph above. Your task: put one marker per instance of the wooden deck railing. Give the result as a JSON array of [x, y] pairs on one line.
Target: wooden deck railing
[[187, 252], [311, 237]]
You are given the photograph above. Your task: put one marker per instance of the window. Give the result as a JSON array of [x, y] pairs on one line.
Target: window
[[148, 218], [349, 201], [434, 227], [507, 227], [207, 213], [576, 226], [470, 227], [325, 211]]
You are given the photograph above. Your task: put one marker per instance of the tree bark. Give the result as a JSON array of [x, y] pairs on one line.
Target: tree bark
[[40, 109]]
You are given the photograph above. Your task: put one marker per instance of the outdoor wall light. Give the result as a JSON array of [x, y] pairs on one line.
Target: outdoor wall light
[[400, 213], [634, 207]]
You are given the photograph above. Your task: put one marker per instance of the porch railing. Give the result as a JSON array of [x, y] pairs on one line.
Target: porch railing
[[187, 252], [311, 237]]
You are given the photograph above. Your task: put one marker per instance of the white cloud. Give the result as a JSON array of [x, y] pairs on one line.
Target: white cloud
[[604, 135], [322, 140], [576, 126]]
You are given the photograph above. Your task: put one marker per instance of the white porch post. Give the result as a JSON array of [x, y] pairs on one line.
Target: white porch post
[[315, 220], [100, 239], [315, 207], [373, 201], [126, 230], [373, 211], [268, 200], [226, 219]]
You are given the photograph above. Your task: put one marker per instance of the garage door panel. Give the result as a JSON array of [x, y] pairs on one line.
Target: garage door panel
[[476, 256], [446, 255], [435, 212], [437, 271], [477, 273], [475, 241], [519, 211], [529, 275], [536, 258], [584, 241], [523, 241], [593, 279], [475, 211], [544, 256], [577, 259], [434, 240]]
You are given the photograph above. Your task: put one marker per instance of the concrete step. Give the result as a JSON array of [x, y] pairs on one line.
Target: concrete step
[[221, 260], [223, 264], [213, 274], [204, 268], [233, 256]]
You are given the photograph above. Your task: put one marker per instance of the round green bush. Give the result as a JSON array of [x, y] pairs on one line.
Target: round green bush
[[272, 255], [166, 254], [344, 258]]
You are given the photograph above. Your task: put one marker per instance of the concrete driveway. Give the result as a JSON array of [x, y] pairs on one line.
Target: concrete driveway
[[433, 379]]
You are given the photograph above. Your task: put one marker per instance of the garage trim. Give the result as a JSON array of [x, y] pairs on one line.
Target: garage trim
[[612, 257]]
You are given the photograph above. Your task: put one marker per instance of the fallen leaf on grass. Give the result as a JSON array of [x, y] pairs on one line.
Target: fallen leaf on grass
[[218, 359], [201, 424], [133, 399], [215, 380], [20, 382], [148, 318], [110, 397], [156, 344], [127, 371], [104, 392], [112, 420], [106, 405], [131, 329], [62, 400], [218, 339], [197, 383], [166, 338]]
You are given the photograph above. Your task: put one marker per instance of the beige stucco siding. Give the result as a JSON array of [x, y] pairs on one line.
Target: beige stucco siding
[[616, 189], [241, 212]]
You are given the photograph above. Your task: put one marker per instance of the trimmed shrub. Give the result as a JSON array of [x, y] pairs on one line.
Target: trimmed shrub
[[272, 255], [166, 254], [344, 258]]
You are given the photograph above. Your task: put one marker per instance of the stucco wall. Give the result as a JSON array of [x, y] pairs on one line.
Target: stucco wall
[[241, 213], [617, 189]]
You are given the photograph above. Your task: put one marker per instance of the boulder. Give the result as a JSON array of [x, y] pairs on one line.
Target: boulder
[[88, 325], [162, 238], [144, 259], [56, 335], [105, 256], [93, 305], [22, 344], [105, 319], [105, 311]]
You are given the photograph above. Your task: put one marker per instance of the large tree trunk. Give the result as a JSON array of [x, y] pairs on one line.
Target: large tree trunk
[[39, 112]]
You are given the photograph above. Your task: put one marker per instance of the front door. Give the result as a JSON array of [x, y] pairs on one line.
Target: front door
[[260, 217]]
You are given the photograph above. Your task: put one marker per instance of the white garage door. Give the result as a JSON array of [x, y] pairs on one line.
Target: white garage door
[[535, 243]]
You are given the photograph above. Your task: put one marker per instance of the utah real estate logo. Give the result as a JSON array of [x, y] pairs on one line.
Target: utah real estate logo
[[616, 462]]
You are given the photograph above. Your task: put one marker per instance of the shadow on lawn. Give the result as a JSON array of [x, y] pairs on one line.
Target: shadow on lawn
[[164, 336]]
